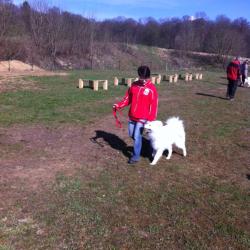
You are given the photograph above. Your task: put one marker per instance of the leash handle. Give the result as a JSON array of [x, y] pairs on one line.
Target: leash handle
[[118, 123]]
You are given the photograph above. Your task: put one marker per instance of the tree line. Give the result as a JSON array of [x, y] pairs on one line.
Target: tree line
[[32, 31]]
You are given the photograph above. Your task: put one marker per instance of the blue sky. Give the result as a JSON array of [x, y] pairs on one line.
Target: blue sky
[[136, 9]]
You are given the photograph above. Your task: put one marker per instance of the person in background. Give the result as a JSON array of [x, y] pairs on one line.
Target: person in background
[[244, 72], [142, 97], [233, 77]]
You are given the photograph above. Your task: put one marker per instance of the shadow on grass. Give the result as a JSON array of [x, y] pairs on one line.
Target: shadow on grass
[[117, 143], [85, 87], [209, 95]]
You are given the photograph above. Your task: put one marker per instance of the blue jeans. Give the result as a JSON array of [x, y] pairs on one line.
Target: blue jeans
[[135, 130]]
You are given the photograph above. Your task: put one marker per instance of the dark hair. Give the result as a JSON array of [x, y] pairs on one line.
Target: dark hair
[[144, 72]]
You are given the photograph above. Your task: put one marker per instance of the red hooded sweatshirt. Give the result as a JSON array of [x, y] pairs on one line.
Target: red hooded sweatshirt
[[143, 101], [233, 70]]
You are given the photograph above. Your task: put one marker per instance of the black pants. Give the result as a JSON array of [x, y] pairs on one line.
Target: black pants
[[231, 88], [243, 79]]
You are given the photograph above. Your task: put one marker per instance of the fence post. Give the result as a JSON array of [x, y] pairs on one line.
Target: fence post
[[153, 79], [95, 85], [190, 77], [175, 77], [158, 79], [171, 78], [129, 82], [105, 85], [80, 84], [116, 82]]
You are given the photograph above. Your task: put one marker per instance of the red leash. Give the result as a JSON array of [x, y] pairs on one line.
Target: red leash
[[118, 123]]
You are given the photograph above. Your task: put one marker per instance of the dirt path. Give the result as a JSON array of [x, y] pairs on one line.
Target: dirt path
[[32, 156]]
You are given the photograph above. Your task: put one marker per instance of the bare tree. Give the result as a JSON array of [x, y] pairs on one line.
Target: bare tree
[[54, 27], [46, 26], [5, 17], [223, 40], [38, 23], [150, 32], [185, 40], [26, 15]]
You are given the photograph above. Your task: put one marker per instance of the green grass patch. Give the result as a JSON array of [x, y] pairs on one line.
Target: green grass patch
[[58, 100], [113, 211]]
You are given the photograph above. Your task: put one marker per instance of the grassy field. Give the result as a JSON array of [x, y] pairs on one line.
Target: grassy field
[[198, 202]]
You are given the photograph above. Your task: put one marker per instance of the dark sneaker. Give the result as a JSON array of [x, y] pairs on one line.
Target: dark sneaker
[[131, 161]]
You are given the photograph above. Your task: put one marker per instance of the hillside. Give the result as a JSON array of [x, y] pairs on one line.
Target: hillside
[[126, 57], [118, 56]]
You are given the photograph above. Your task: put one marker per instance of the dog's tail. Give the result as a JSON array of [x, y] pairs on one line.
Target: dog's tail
[[175, 122]]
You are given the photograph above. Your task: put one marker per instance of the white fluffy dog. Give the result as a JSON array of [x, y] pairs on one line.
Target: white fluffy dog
[[247, 82], [163, 137]]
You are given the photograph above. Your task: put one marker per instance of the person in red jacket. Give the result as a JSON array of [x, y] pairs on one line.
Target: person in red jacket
[[142, 97], [233, 77]]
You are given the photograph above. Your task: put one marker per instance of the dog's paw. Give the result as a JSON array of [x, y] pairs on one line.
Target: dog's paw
[[152, 164]]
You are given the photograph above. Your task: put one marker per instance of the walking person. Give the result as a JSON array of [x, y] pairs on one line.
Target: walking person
[[233, 77], [244, 72], [142, 97]]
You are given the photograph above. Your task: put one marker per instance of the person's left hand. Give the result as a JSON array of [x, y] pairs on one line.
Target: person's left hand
[[114, 107]]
